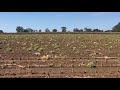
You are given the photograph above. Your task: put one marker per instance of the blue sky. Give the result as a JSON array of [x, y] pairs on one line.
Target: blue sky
[[42, 20]]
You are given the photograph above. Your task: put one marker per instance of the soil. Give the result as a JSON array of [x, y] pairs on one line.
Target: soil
[[65, 62]]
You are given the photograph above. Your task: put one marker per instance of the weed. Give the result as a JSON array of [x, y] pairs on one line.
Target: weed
[[45, 57], [55, 46], [40, 49], [91, 64], [51, 65], [8, 49], [74, 48], [29, 49], [36, 48]]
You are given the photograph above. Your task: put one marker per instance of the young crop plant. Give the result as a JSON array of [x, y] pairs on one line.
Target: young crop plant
[[51, 65], [45, 57], [9, 49], [94, 53], [55, 46], [74, 48], [40, 49], [91, 64], [29, 49], [36, 48]]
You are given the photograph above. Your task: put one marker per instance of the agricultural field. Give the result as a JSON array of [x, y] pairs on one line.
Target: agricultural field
[[60, 56]]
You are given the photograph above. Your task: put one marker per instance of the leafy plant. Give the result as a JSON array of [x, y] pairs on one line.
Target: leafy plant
[[8, 49], [74, 48], [29, 49], [45, 57], [55, 46], [91, 64], [36, 48], [40, 49], [93, 53], [51, 65]]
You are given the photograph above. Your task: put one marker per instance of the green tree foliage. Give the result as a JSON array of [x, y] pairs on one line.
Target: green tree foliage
[[25, 30], [63, 29], [81, 30], [47, 30], [54, 30], [108, 31], [39, 30], [116, 28], [19, 29], [75, 30], [97, 30], [87, 29], [29, 30], [1, 31]]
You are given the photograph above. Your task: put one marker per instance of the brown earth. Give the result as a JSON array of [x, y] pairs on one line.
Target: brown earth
[[68, 61]]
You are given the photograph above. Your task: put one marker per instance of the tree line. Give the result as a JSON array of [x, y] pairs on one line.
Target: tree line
[[64, 29], [116, 28]]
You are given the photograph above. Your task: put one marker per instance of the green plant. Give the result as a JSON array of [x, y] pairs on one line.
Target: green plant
[[29, 49], [91, 64], [36, 48], [8, 49], [40, 49], [93, 53], [51, 65], [53, 52], [55, 46], [35, 45], [74, 48]]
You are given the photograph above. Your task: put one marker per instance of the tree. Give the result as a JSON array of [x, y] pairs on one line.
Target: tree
[[19, 29], [29, 30], [116, 28], [97, 30], [108, 30], [63, 29], [101, 30], [25, 30], [81, 30], [88, 29], [54, 30], [39, 30], [47, 30], [85, 29], [1, 31], [35, 31], [75, 30]]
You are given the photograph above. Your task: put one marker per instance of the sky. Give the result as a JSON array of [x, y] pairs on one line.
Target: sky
[[55, 20]]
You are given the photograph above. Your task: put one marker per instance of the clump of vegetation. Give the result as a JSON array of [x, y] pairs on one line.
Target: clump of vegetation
[[52, 52], [74, 48], [91, 64], [55, 46], [45, 57], [9, 49], [94, 53], [29, 49], [40, 49], [36, 48], [51, 65]]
